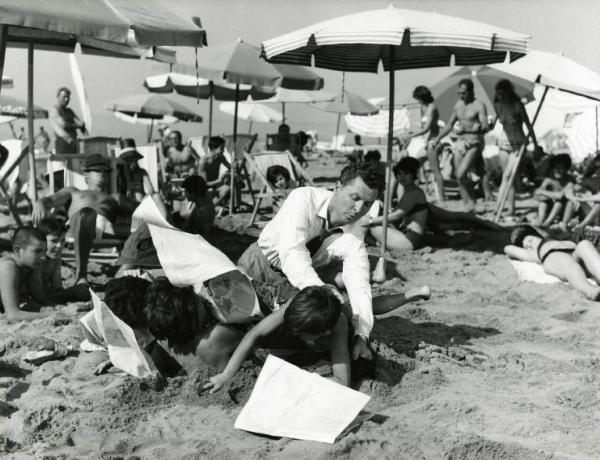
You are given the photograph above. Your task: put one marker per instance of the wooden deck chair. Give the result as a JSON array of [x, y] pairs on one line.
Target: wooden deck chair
[[14, 175], [245, 144], [260, 162]]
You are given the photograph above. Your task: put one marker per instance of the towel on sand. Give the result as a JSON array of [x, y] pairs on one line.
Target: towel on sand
[[530, 271]]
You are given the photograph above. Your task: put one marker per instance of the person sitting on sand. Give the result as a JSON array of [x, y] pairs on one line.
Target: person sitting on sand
[[197, 212], [135, 182], [567, 260], [21, 289], [279, 177], [51, 266], [209, 168], [93, 213], [551, 194], [413, 214]]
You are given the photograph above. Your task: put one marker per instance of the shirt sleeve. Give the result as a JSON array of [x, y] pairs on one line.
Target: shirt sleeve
[[294, 218]]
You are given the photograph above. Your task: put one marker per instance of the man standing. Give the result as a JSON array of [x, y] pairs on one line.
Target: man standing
[[471, 115], [299, 240], [181, 159], [65, 123]]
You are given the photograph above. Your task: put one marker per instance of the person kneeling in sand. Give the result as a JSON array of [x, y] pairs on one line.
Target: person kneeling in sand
[[567, 260], [21, 289]]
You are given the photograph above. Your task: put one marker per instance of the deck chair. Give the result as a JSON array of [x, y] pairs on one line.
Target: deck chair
[[14, 176], [260, 162]]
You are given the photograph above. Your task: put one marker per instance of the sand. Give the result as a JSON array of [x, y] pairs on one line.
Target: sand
[[490, 368]]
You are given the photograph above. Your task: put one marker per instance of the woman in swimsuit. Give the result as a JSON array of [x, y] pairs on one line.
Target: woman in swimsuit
[[571, 262], [512, 114], [429, 130]]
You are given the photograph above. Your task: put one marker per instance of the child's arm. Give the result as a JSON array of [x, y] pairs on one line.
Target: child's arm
[[543, 191], [525, 255], [9, 293], [340, 355], [265, 327]]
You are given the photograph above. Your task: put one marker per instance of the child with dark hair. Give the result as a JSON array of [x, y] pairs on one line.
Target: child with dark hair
[[313, 317], [51, 266], [21, 289], [552, 193], [565, 259], [281, 180]]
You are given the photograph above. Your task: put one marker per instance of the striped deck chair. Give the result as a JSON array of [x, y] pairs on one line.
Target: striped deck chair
[[260, 162], [14, 176]]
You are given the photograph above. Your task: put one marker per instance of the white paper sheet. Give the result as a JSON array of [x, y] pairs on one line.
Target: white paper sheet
[[147, 212], [288, 401], [123, 349]]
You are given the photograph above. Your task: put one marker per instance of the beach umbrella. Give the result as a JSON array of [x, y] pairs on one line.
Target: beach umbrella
[[148, 122], [377, 125], [10, 106], [240, 63], [297, 96], [189, 85], [397, 39], [252, 112], [153, 107], [484, 79], [114, 27]]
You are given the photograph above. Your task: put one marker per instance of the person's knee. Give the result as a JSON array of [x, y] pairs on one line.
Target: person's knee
[[584, 246]]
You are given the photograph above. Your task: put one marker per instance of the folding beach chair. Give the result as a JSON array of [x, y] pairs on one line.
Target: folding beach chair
[[260, 162], [14, 175]]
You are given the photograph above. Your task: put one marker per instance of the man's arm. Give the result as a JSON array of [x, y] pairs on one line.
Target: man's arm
[[483, 119], [43, 206], [9, 293], [340, 357]]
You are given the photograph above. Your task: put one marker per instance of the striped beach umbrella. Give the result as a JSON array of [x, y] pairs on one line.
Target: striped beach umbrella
[[377, 125]]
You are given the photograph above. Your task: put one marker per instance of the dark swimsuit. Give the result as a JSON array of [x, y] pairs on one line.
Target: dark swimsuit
[[549, 245]]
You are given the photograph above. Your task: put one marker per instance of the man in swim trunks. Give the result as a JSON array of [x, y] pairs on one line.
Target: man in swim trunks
[[181, 159], [471, 115]]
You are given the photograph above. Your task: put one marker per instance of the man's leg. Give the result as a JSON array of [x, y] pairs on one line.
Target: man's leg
[[83, 224], [438, 180], [464, 183]]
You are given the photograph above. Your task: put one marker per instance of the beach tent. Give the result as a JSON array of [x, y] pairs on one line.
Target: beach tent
[[398, 39], [108, 27]]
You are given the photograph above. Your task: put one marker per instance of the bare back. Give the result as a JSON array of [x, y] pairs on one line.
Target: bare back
[[471, 116], [101, 202]]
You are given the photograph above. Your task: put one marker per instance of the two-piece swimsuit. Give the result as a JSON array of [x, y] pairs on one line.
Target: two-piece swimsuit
[[549, 245]]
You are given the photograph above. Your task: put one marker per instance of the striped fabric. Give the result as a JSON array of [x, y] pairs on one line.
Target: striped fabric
[[359, 42], [349, 103], [377, 125]]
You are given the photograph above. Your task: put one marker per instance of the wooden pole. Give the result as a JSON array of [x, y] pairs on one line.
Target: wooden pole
[[379, 272], [32, 175], [3, 35], [210, 108], [233, 154]]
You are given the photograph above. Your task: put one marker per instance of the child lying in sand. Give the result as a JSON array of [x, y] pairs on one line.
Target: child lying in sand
[[566, 260], [21, 289]]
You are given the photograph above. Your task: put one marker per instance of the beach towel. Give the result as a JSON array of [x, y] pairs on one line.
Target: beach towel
[[530, 271], [104, 330], [291, 402]]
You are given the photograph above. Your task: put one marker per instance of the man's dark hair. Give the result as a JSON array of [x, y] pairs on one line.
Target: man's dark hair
[[561, 159], [52, 226], [126, 298], [518, 234], [315, 310], [277, 170], [408, 165], [468, 83], [215, 142], [23, 236], [172, 312], [422, 93], [370, 173], [373, 156], [196, 185], [61, 89]]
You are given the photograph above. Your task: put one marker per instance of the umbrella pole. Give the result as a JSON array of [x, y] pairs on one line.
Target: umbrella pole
[[283, 112], [596, 124], [337, 132], [210, 108], [232, 165], [379, 272], [32, 175], [3, 34], [250, 127], [150, 129]]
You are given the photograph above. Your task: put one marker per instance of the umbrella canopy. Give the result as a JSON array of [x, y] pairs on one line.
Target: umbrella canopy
[[348, 102], [484, 80], [377, 125], [297, 96], [12, 107], [359, 42], [135, 120], [556, 71], [251, 111], [152, 106]]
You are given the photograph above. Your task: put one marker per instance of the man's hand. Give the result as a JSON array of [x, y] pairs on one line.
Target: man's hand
[[361, 349], [216, 382], [39, 213]]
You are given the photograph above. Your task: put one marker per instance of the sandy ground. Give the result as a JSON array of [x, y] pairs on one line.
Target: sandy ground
[[490, 367]]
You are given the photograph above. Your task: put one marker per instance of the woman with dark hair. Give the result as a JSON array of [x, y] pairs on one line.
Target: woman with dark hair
[[429, 130], [512, 114]]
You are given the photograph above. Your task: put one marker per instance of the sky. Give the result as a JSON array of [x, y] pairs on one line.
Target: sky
[[566, 26]]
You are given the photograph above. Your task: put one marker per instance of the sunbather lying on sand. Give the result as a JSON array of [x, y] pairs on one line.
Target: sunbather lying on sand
[[567, 260], [413, 214]]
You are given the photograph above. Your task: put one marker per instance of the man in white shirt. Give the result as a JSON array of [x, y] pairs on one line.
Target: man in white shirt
[[300, 239]]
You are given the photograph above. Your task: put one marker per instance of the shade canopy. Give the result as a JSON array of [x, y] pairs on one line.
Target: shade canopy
[[348, 103], [360, 42], [152, 106], [240, 63], [297, 96], [377, 125], [251, 111], [110, 25], [187, 84], [484, 79], [556, 71], [13, 107], [135, 120]]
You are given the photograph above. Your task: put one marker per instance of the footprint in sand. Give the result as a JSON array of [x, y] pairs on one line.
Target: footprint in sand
[[571, 316]]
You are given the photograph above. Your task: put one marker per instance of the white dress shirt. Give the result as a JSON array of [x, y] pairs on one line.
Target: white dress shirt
[[301, 218]]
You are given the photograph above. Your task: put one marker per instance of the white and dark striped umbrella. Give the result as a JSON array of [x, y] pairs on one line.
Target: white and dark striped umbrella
[[377, 125]]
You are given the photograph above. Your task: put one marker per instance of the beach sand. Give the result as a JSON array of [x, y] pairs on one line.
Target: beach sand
[[490, 367]]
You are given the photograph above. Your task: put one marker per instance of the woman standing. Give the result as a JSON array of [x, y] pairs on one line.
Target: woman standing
[[512, 114]]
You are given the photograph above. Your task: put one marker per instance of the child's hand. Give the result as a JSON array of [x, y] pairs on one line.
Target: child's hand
[[216, 382], [103, 367]]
